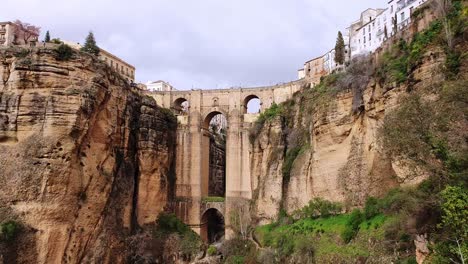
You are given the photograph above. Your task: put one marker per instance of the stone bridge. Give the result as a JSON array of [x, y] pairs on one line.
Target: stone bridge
[[195, 109]]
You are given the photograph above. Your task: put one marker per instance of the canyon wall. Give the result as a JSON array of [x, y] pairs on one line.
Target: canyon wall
[[328, 146], [85, 159]]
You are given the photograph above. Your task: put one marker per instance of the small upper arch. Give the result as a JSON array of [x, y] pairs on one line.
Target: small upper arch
[[252, 104]]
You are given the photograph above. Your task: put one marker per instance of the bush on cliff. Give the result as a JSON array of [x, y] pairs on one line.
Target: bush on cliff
[[183, 239], [9, 230], [64, 52]]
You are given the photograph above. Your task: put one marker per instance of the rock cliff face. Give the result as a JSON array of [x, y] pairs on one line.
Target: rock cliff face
[[84, 159], [332, 147]]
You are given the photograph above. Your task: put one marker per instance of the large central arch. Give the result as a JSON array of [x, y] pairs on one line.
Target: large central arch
[[214, 155]]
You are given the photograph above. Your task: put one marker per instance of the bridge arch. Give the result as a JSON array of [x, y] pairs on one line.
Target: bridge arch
[[214, 155], [181, 105], [210, 116], [212, 226], [252, 104]]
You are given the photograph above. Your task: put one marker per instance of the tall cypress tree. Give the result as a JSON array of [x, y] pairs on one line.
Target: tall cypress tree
[[47, 36], [90, 45], [340, 49]]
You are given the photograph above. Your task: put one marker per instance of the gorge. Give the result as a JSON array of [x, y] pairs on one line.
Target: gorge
[[94, 170]]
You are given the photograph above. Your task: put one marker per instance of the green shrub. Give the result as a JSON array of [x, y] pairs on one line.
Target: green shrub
[[348, 234], [352, 225], [235, 260], [64, 52], [190, 244], [319, 207], [22, 53], [211, 251], [238, 250], [56, 41], [455, 210], [169, 223], [372, 208], [452, 63], [9, 230]]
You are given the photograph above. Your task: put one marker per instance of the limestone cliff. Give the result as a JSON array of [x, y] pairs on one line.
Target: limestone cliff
[[325, 144], [84, 158]]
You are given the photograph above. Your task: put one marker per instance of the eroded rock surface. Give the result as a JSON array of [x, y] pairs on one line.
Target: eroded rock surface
[[84, 158]]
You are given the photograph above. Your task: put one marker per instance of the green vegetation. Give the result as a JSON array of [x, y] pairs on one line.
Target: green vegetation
[[397, 63], [211, 251], [320, 238], [9, 230], [239, 251], [47, 37], [64, 52], [168, 225], [213, 199], [340, 49], [318, 207], [56, 41], [90, 45]]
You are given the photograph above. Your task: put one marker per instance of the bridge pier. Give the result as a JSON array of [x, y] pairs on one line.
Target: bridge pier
[[192, 153]]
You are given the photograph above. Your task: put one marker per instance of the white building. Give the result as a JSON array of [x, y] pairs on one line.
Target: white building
[[301, 73], [376, 25], [363, 32], [160, 86], [401, 10]]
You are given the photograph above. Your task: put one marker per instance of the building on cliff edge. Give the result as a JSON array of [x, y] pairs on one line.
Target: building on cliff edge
[[365, 35], [11, 34], [124, 68]]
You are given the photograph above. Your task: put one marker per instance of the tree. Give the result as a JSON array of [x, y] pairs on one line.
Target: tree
[[25, 31], [340, 49], [442, 9], [385, 32], [90, 45], [395, 23], [47, 37]]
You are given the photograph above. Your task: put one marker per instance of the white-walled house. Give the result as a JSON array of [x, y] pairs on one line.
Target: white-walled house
[[376, 25], [300, 73], [401, 10], [363, 34], [160, 86]]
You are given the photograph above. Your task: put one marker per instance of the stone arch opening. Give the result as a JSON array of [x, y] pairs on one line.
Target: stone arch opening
[[214, 155], [212, 226], [181, 106], [252, 104]]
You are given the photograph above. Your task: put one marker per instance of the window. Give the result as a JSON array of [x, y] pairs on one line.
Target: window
[[112, 64], [402, 16], [364, 31], [364, 39], [370, 38], [391, 9]]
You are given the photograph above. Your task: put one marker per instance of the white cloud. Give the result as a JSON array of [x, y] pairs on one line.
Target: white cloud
[[205, 43]]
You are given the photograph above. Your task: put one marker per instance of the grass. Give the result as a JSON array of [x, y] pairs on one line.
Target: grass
[[213, 199], [325, 233]]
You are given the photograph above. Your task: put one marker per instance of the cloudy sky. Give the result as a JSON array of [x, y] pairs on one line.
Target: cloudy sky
[[199, 43]]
